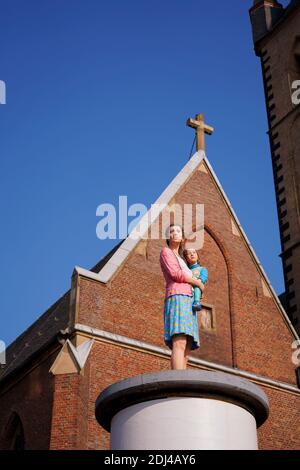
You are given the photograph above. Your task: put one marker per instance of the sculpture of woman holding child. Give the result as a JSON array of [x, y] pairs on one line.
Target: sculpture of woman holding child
[[184, 285]]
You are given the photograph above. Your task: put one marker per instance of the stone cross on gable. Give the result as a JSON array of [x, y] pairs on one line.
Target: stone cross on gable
[[201, 130]]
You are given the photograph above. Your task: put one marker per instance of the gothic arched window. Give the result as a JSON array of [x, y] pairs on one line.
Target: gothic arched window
[[13, 436]]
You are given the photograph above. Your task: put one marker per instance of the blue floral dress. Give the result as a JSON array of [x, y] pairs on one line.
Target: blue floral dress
[[179, 318]]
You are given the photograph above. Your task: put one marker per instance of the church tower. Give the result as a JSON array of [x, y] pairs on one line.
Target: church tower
[[276, 36]]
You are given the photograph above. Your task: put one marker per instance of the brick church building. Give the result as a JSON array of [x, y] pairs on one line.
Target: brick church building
[[48, 389], [97, 334]]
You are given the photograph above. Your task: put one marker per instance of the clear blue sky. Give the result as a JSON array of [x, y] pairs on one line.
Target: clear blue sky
[[98, 94]]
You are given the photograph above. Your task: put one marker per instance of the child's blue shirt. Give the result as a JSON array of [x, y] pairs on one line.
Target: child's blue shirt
[[203, 272]]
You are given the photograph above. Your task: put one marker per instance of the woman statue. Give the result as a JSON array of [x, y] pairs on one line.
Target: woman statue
[[181, 332]]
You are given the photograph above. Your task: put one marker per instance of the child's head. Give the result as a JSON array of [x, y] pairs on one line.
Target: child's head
[[190, 255]]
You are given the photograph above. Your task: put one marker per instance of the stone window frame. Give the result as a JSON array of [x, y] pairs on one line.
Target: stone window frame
[[212, 308]]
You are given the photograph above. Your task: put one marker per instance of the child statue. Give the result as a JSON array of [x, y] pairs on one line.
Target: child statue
[[200, 272]]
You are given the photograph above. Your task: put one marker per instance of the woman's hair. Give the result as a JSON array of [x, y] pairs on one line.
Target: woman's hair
[[180, 249]]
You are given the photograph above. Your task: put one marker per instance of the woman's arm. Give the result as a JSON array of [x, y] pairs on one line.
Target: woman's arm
[[170, 265], [196, 282]]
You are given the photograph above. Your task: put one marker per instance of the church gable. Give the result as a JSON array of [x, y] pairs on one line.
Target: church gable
[[242, 316]]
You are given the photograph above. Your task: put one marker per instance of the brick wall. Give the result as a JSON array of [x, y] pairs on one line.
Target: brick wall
[[31, 397], [281, 431]]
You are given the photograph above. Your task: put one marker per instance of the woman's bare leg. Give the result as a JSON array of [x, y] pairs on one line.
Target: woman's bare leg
[[188, 350], [179, 346]]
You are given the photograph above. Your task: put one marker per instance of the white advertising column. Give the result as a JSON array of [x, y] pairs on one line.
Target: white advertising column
[[186, 409]]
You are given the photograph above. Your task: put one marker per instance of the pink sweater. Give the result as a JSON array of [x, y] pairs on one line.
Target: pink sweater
[[176, 278]]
